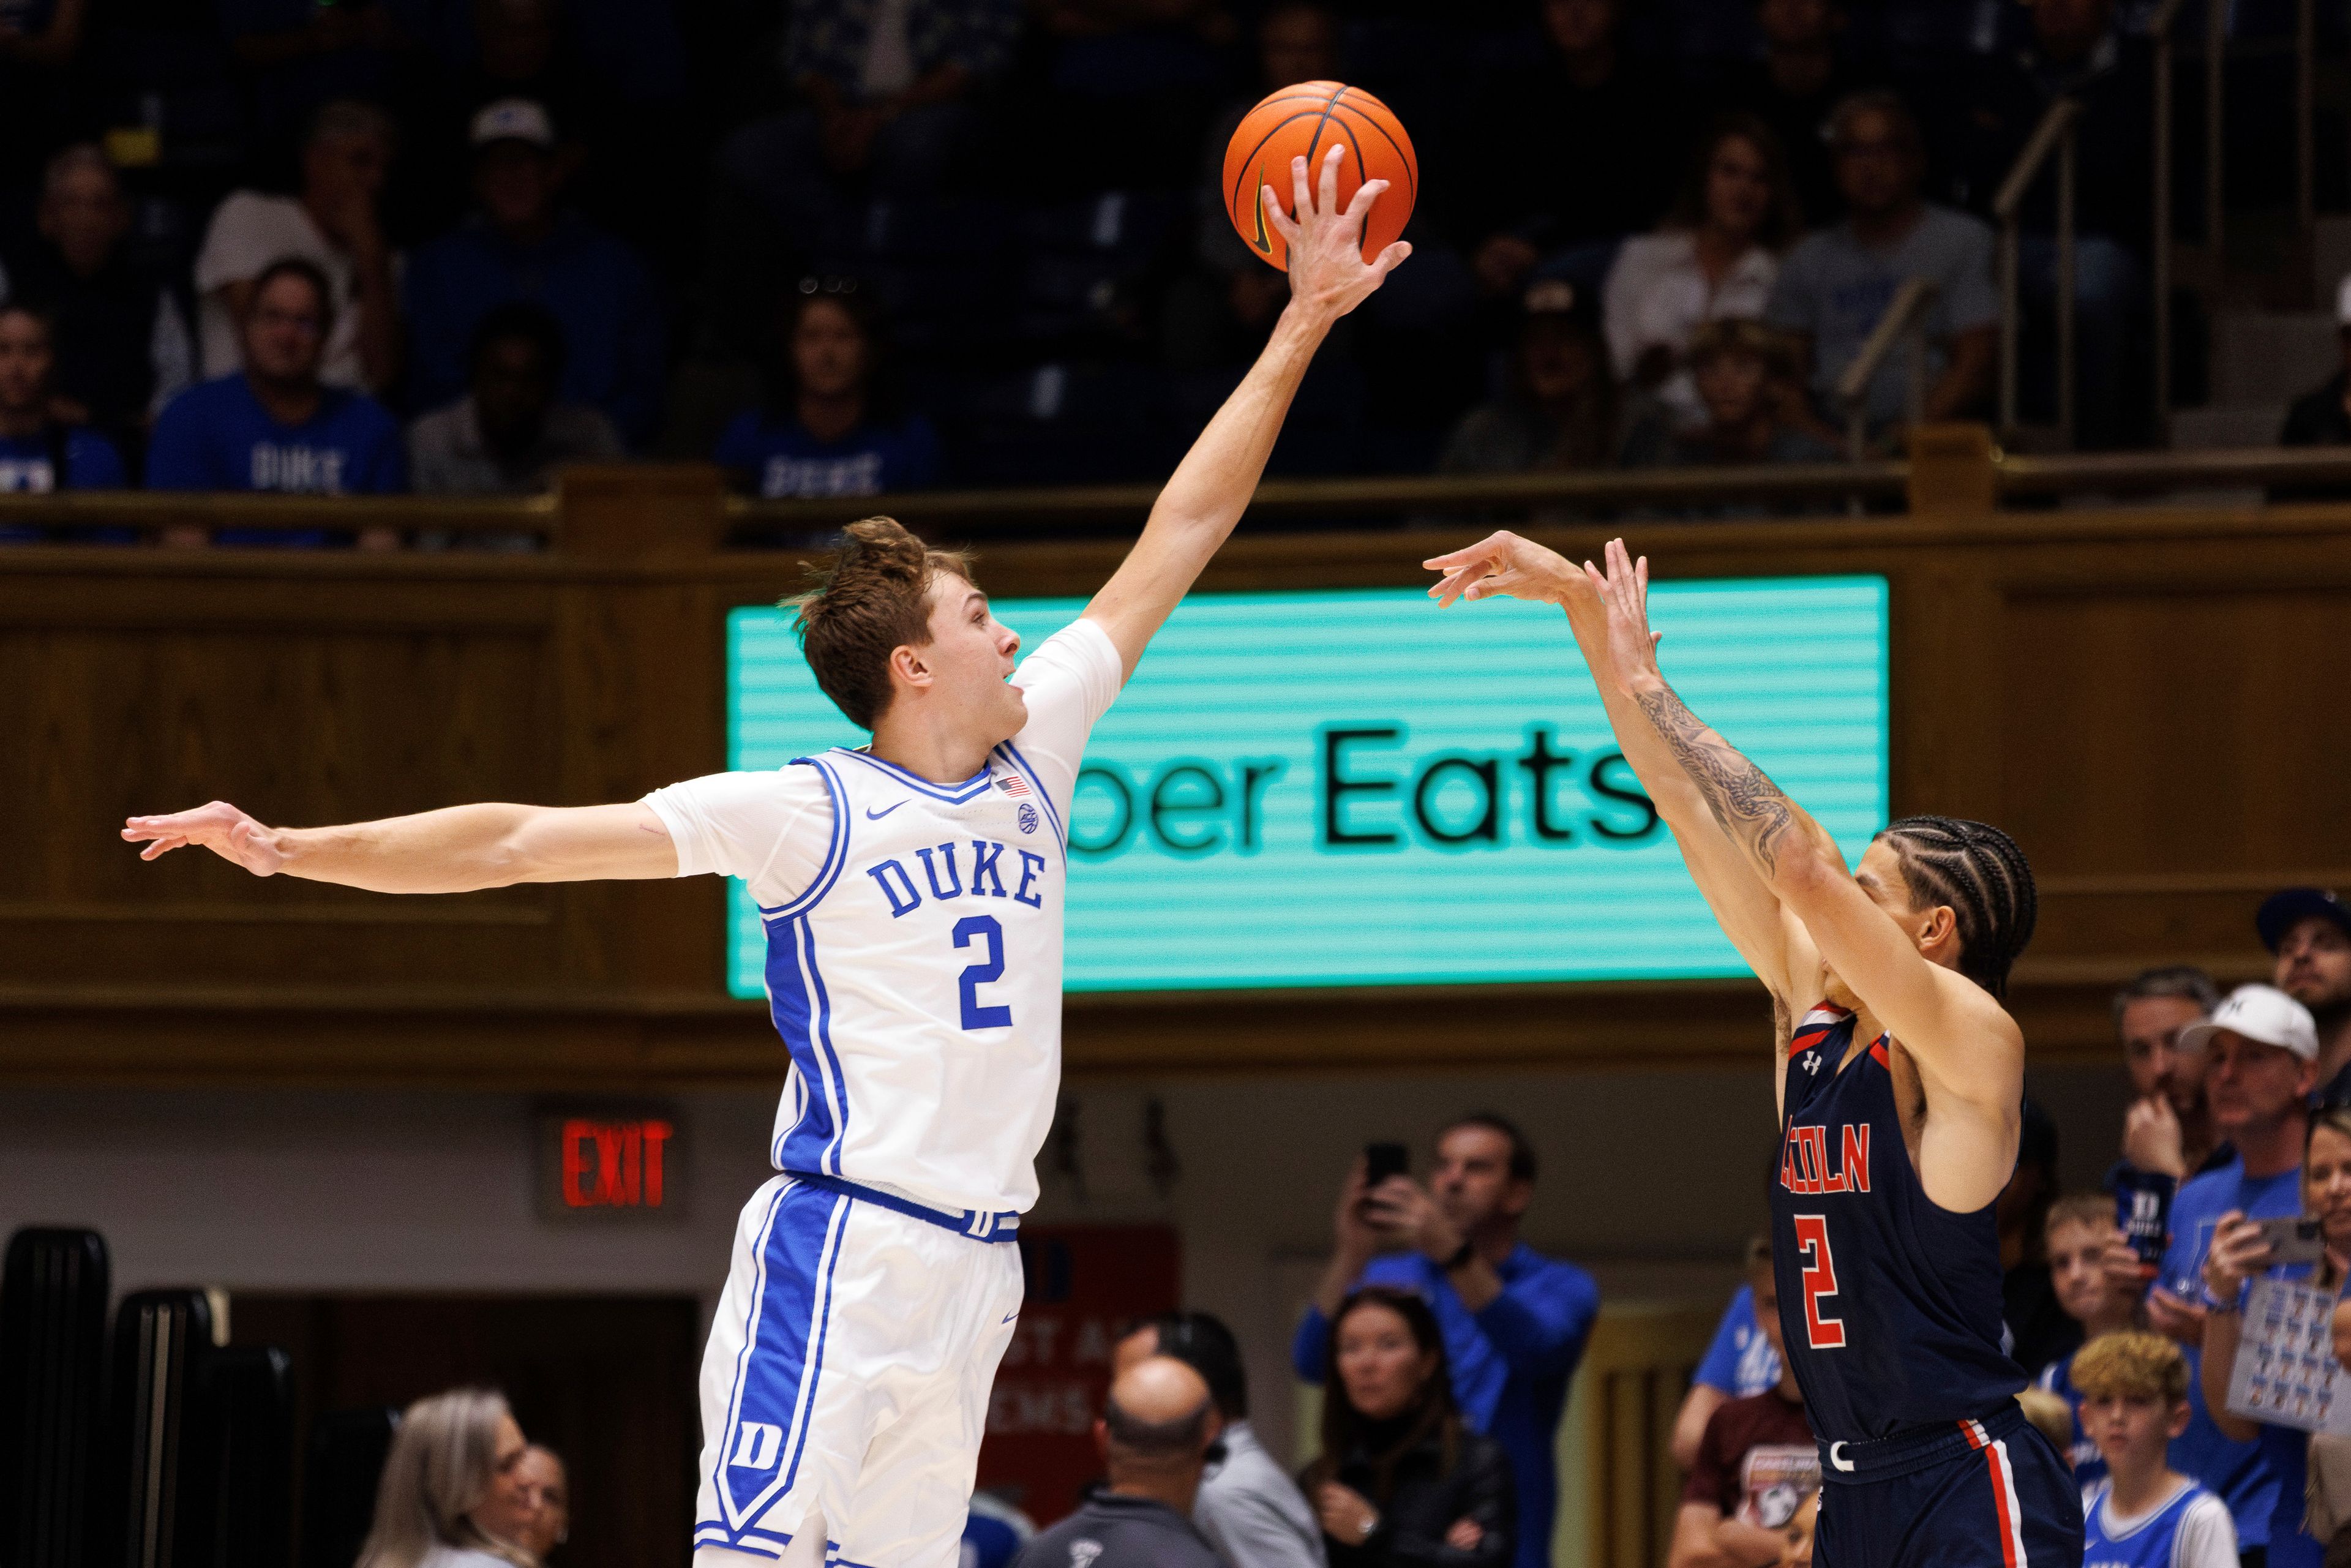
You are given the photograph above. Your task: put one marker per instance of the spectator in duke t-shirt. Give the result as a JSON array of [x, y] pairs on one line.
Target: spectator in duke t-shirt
[[36, 453], [521, 244], [1514, 1322], [828, 423], [272, 425]]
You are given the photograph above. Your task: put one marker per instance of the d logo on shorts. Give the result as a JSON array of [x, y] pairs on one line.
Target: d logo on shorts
[[756, 1445]]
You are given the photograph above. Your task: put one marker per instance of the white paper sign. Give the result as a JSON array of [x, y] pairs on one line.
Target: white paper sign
[[2286, 1374]]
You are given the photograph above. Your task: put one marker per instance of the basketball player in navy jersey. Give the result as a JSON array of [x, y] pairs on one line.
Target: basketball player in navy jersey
[[1901, 1092]]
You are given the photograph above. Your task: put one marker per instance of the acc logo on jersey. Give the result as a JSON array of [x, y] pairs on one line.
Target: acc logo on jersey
[[1026, 816]]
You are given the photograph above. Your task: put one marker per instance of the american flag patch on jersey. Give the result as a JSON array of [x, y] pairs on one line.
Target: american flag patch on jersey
[[1013, 784]]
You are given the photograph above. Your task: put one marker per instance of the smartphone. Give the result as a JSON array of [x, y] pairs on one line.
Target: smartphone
[[1384, 1160], [2293, 1239]]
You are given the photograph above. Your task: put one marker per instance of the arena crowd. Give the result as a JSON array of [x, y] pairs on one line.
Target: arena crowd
[[1446, 1347], [845, 247]]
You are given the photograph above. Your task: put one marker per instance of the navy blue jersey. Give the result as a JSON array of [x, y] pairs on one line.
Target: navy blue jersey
[[1889, 1303]]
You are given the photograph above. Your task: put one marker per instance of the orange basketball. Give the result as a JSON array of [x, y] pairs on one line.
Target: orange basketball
[[1305, 121]]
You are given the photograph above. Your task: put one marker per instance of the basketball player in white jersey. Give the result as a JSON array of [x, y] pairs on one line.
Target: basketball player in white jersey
[[912, 893]]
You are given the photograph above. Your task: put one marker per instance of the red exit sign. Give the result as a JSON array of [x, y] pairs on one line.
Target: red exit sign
[[607, 1160]]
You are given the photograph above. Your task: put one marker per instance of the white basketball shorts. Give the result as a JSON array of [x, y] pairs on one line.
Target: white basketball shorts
[[848, 1373]]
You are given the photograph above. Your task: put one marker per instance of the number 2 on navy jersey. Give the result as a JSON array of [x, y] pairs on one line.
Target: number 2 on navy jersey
[[1822, 1331], [974, 975]]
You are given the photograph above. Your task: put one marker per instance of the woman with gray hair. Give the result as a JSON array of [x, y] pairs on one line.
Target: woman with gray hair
[[452, 1488]]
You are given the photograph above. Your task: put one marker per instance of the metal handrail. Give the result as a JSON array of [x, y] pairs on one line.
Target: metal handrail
[[2159, 27], [2054, 134], [1904, 321]]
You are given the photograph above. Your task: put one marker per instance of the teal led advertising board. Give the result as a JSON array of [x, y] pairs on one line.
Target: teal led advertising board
[[1357, 787]]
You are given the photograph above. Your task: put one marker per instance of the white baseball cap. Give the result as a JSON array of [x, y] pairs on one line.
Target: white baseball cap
[[514, 119], [2262, 1014]]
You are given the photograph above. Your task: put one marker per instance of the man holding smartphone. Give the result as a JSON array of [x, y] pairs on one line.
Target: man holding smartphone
[[1515, 1322], [2263, 1054]]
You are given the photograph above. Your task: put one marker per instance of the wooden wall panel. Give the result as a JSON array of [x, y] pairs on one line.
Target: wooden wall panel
[[2152, 700]]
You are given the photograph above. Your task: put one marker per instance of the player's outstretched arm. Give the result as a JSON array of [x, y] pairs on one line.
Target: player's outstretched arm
[[1504, 565], [1197, 511], [457, 850], [1966, 1045]]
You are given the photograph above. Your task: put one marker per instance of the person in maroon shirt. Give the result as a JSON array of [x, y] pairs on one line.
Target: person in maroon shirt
[[1756, 1465]]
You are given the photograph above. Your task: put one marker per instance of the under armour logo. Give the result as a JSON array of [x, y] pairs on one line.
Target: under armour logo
[[1084, 1553], [1811, 1061]]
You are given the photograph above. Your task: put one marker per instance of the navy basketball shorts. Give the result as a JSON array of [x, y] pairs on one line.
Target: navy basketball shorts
[[1985, 1493]]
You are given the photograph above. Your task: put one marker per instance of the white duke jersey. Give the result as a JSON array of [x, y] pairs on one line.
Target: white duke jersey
[[914, 942]]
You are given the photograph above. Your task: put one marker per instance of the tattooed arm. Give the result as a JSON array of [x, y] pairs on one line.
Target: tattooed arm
[[1774, 946], [1967, 1049]]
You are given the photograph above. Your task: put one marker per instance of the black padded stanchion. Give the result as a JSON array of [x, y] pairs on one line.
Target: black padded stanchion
[[162, 1401], [250, 1396], [52, 1365], [346, 1461]]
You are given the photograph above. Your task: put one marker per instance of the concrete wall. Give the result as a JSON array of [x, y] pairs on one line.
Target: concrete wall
[[1651, 1178]]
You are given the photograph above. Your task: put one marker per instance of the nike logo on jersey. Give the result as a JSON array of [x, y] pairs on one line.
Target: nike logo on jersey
[[1804, 1160], [873, 816], [1012, 1314]]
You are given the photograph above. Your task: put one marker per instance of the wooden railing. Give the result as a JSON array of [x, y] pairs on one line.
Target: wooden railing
[[2148, 696], [1956, 469]]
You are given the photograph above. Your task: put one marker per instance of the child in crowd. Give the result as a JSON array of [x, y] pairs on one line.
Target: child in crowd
[[2082, 1236], [2133, 1389], [1757, 1464]]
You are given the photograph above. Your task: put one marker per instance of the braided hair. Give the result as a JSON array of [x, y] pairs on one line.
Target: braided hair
[[1979, 871]]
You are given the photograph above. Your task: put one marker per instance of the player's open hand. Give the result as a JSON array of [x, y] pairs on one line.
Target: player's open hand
[[1328, 274], [1504, 566], [218, 827], [1623, 586]]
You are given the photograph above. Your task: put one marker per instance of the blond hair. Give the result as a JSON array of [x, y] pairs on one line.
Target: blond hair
[[444, 1458], [2092, 1208], [2130, 1365], [2051, 1414]]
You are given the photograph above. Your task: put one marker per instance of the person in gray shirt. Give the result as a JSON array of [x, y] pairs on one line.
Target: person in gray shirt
[[507, 434], [1155, 1430], [1248, 1507], [1839, 280]]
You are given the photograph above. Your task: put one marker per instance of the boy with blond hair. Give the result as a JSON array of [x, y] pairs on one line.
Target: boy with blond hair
[[2133, 1387]]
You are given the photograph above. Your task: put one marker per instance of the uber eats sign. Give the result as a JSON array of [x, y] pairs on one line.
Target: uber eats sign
[[1356, 787]]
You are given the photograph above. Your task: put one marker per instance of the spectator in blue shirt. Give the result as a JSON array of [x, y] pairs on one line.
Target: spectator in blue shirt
[[36, 453], [522, 244], [2258, 1085], [274, 426], [1515, 1322], [829, 424], [1739, 1363]]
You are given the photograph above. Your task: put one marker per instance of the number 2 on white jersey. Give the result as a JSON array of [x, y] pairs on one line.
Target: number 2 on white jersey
[[1823, 1332], [975, 1014]]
